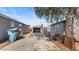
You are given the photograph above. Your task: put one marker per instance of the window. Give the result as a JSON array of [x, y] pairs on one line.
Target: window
[[20, 25], [12, 23]]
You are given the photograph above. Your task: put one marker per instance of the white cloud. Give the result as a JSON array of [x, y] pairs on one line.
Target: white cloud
[[26, 20]]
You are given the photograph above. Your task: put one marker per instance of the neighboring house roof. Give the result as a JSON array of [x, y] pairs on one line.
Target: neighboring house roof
[[58, 22], [9, 18]]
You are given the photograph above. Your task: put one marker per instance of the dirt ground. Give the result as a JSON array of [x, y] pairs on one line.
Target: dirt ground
[[33, 42]]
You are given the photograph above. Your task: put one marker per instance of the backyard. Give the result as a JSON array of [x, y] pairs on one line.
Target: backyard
[[32, 43]]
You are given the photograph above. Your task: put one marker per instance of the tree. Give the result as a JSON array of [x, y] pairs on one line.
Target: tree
[[54, 13]]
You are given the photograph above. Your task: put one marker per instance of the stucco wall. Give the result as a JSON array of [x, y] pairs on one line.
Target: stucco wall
[[4, 26], [14, 24]]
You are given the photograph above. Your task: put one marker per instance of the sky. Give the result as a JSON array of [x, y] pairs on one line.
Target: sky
[[23, 14]]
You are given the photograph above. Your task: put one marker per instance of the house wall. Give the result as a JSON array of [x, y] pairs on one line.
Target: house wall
[[23, 28], [19, 25], [14, 24], [4, 26]]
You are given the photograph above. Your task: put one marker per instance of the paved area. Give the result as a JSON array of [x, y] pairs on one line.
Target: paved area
[[32, 43]]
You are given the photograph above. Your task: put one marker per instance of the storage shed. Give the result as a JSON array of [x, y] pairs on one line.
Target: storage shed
[[58, 29]]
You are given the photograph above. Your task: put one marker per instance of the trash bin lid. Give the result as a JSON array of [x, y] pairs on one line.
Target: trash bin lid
[[14, 29]]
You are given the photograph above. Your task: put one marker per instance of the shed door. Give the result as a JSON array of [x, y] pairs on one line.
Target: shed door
[[36, 30]]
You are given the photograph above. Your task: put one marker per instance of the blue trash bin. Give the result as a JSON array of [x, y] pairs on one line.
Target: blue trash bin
[[12, 35]]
